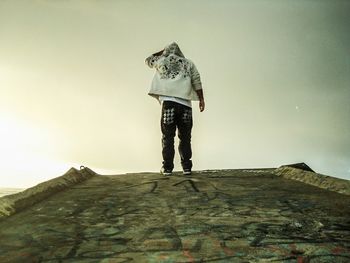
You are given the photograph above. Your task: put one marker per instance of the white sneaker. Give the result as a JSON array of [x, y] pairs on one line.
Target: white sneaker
[[187, 172], [165, 172]]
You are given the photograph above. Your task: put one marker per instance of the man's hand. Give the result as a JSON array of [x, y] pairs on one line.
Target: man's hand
[[201, 105], [201, 99]]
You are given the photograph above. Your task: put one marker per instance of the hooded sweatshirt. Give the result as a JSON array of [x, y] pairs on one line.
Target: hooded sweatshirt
[[175, 76]]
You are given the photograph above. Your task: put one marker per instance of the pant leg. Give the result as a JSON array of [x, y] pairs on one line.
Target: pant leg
[[168, 127], [185, 124]]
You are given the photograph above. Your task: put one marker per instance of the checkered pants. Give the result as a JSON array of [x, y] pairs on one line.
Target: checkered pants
[[176, 116]]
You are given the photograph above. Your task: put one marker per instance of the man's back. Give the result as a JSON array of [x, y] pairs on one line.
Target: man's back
[[175, 75]]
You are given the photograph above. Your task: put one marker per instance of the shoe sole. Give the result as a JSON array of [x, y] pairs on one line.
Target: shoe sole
[[187, 173], [165, 173]]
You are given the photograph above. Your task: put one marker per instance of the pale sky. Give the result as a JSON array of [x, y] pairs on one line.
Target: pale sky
[[73, 85]]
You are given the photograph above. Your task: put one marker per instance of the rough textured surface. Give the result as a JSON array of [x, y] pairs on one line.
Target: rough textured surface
[[10, 191], [302, 166], [10, 204], [323, 181], [212, 216]]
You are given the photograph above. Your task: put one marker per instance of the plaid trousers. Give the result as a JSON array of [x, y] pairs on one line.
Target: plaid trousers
[[176, 116]]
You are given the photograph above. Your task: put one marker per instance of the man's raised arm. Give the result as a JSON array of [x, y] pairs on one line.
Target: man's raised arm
[[153, 58]]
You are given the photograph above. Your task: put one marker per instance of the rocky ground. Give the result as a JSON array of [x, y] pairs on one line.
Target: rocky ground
[[211, 216], [9, 191]]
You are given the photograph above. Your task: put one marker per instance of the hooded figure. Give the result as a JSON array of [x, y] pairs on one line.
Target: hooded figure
[[176, 83], [175, 75]]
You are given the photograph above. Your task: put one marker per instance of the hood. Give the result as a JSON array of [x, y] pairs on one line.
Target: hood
[[174, 49]]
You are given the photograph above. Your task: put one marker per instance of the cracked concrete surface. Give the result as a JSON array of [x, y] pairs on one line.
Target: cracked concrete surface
[[212, 216], [10, 204]]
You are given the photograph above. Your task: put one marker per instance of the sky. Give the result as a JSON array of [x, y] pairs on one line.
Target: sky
[[73, 85]]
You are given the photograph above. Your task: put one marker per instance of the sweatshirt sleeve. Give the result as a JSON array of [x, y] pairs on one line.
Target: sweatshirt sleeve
[[195, 78], [151, 60]]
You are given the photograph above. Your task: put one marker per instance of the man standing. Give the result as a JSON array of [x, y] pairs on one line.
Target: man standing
[[175, 84]]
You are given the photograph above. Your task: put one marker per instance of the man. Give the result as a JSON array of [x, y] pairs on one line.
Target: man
[[175, 84]]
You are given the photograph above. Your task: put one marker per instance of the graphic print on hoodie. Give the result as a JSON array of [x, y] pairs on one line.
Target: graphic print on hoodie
[[175, 75]]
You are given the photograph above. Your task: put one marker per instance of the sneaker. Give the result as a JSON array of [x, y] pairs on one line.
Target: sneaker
[[165, 171], [187, 172]]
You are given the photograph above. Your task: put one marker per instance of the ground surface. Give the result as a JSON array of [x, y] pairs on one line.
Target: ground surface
[[9, 191], [213, 216]]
